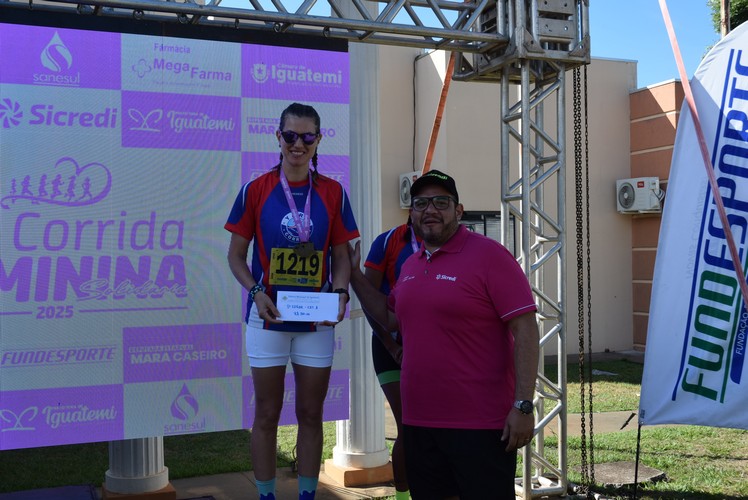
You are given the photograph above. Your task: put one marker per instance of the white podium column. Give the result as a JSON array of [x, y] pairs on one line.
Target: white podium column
[[360, 456], [136, 468]]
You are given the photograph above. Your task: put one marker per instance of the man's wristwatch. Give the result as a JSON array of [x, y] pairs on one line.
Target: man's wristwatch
[[525, 406]]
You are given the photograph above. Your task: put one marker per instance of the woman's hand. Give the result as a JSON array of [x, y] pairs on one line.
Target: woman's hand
[[342, 306], [266, 310]]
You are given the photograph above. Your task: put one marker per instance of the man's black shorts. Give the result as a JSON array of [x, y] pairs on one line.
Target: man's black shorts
[[470, 463]]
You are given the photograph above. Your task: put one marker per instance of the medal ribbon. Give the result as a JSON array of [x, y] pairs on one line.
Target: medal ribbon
[[413, 242], [302, 229]]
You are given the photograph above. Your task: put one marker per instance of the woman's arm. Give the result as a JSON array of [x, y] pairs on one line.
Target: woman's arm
[[237, 257]]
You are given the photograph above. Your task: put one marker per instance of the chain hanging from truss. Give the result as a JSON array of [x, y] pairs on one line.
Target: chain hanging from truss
[[581, 175]]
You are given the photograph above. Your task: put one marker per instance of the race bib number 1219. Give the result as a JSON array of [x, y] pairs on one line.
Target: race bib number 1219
[[289, 268]]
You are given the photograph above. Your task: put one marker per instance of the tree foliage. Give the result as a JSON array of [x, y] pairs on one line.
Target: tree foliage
[[738, 13]]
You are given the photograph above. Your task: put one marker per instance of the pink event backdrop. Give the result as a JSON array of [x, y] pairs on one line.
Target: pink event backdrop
[[120, 157]]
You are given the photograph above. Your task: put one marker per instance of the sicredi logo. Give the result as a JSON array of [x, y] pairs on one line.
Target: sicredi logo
[[58, 60], [49, 115], [10, 113], [296, 74]]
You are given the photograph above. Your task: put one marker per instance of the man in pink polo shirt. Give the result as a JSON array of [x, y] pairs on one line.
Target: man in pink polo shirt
[[470, 351]]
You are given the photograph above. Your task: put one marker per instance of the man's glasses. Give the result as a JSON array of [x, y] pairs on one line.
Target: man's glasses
[[421, 203], [291, 137]]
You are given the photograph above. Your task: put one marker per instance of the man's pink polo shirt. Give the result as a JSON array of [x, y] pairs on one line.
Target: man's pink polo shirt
[[458, 365]]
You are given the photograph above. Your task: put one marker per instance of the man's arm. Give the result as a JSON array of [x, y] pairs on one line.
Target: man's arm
[[519, 427], [372, 300], [396, 350]]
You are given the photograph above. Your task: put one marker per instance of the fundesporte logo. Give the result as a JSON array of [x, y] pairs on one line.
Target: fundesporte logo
[[714, 351]]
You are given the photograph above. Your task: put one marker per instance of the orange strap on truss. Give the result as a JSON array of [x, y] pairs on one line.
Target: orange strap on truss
[[439, 113], [705, 154]]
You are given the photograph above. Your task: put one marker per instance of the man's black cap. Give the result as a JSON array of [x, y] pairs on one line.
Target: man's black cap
[[435, 178]]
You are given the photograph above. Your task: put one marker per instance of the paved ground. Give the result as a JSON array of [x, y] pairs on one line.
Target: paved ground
[[241, 485]]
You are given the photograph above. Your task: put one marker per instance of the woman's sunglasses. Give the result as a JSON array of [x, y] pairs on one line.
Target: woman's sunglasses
[[291, 137]]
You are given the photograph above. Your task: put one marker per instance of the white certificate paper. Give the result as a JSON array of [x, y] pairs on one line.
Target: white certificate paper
[[308, 306]]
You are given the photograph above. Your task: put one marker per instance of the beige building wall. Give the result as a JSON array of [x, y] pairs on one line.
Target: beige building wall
[[468, 148]]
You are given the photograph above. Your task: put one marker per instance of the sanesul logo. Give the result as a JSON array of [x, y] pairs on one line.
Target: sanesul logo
[[58, 60], [185, 409]]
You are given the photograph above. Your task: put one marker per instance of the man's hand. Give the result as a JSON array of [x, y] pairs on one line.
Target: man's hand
[[354, 252], [518, 429]]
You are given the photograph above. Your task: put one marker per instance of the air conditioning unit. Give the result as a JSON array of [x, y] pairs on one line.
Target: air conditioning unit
[[406, 180], [639, 195]]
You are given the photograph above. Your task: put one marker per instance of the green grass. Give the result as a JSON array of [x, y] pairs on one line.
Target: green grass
[[702, 463]]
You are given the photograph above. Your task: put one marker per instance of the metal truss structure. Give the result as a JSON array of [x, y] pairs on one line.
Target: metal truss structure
[[525, 46]]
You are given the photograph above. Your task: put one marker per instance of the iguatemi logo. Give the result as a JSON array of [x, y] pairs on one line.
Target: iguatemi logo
[[21, 421], [58, 60], [289, 229], [55, 416], [185, 408], [296, 74], [147, 122], [50, 115], [260, 72], [177, 121]]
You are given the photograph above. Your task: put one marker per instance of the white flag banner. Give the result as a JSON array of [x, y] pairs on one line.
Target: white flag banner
[[694, 369]]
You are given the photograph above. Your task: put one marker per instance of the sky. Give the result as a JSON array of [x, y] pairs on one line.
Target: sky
[[635, 30]]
